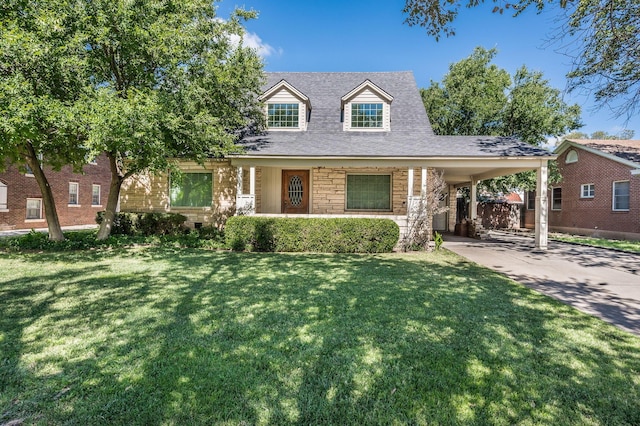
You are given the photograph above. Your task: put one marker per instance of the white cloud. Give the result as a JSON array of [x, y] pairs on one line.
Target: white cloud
[[253, 41]]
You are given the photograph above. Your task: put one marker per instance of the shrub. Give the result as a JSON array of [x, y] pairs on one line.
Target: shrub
[[161, 223], [129, 223], [123, 223], [339, 235]]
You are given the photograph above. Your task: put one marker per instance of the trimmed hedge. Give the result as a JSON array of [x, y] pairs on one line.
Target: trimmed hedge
[[324, 235], [146, 223]]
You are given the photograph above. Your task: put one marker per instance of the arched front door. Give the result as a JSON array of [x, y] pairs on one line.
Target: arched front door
[[295, 191]]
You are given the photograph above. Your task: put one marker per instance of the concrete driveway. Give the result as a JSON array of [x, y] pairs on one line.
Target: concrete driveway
[[601, 282]]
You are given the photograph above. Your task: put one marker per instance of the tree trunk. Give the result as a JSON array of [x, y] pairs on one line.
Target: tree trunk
[[117, 178], [50, 212]]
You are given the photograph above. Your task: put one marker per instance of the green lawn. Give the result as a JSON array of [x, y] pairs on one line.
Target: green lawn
[[188, 336], [624, 245]]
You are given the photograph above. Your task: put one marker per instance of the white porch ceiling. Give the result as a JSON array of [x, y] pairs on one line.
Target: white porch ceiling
[[456, 170]]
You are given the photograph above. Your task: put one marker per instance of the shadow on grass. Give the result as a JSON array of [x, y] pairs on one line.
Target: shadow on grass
[[153, 336]]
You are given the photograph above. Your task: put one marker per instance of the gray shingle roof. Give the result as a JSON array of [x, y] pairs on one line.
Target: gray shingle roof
[[625, 149], [411, 134]]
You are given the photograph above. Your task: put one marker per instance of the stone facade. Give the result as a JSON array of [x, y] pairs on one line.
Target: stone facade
[[150, 193], [328, 189]]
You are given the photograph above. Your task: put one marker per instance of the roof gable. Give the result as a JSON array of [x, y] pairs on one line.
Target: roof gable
[[626, 152], [367, 84], [284, 85], [411, 135]]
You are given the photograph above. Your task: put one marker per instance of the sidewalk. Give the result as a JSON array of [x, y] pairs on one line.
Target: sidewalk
[[601, 282]]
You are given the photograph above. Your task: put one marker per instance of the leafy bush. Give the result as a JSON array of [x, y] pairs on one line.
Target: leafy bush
[[86, 240], [126, 223], [339, 235], [123, 223], [161, 223]]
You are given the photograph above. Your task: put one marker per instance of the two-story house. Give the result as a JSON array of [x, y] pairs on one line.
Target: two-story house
[[338, 145], [78, 196]]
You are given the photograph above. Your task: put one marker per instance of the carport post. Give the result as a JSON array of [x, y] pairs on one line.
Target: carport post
[[473, 206], [542, 226]]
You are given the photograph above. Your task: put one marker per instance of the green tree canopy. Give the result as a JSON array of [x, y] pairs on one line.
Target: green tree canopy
[[145, 82], [602, 37], [478, 98], [169, 80], [41, 77], [601, 134]]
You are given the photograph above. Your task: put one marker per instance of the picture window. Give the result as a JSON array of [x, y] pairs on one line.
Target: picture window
[[369, 192], [191, 190]]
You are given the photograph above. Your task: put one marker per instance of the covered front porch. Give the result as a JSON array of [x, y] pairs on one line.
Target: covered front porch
[[376, 188]]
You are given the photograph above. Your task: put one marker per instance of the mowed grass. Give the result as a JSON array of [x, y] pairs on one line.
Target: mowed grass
[[623, 245], [168, 336]]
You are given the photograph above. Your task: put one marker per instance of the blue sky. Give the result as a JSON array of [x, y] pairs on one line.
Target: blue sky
[[369, 35]]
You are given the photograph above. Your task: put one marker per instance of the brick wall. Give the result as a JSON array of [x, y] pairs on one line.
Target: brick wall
[[20, 187], [594, 213], [150, 193]]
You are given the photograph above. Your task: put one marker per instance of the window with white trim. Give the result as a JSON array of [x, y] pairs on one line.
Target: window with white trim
[[73, 193], [3, 196], [366, 115], [95, 195], [621, 196], [281, 115], [556, 199], [368, 192], [366, 108], [587, 190], [34, 208], [191, 190]]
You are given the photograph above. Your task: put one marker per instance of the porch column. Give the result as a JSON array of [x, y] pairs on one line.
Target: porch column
[[542, 226], [410, 184], [423, 182], [472, 203], [239, 182], [252, 180], [245, 203]]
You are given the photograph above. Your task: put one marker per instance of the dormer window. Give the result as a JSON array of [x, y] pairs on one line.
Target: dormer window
[[367, 108], [286, 107], [366, 115], [283, 115]]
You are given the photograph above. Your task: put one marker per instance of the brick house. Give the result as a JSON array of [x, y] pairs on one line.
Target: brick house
[[599, 194], [338, 145], [77, 196]]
